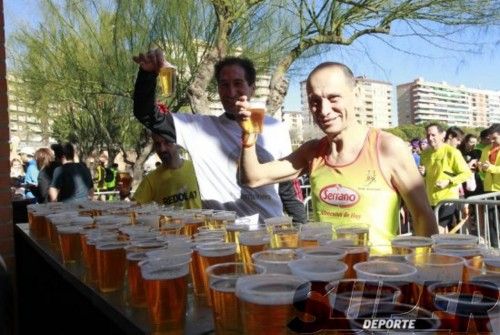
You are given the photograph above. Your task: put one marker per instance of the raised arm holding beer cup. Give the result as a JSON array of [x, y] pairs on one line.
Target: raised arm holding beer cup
[[214, 142], [358, 174]]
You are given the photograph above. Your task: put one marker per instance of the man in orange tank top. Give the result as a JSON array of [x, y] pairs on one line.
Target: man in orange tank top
[[352, 169]]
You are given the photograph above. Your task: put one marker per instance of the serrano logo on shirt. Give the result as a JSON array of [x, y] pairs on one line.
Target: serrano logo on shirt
[[339, 195]]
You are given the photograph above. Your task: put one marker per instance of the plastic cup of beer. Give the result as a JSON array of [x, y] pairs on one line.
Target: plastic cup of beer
[[324, 252], [191, 225], [278, 222], [285, 238], [137, 295], [318, 269], [222, 280], [38, 222], [267, 301], [338, 242], [165, 284], [310, 237], [275, 260], [211, 254], [166, 77], [471, 308], [420, 244], [387, 253], [69, 243], [111, 265], [400, 274], [434, 268], [344, 293], [472, 253], [89, 252], [252, 242], [354, 255], [255, 123], [55, 220], [219, 220], [151, 220], [233, 232], [398, 319], [358, 233], [462, 239]]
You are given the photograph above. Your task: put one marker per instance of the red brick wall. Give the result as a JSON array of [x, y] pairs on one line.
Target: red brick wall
[[6, 232]]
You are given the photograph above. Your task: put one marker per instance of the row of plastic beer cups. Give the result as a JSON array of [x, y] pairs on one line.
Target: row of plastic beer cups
[[460, 248]]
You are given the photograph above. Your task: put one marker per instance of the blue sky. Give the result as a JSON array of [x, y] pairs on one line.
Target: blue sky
[[373, 58]]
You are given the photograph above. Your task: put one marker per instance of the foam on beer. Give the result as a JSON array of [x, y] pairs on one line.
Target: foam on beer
[[68, 229], [272, 289], [275, 260], [164, 269], [253, 238], [454, 239], [322, 252], [436, 267], [216, 249], [318, 269], [411, 241], [110, 245], [385, 271]]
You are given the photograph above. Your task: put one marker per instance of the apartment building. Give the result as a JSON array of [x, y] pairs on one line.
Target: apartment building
[[422, 101], [294, 122]]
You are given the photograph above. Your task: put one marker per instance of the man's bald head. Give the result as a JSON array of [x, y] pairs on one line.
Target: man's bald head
[[348, 75]]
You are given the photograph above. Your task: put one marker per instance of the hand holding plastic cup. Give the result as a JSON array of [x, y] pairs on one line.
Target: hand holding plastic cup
[[255, 123]]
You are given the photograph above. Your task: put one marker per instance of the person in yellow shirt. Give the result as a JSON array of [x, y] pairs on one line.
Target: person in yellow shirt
[[358, 174], [444, 169], [489, 163], [173, 183]]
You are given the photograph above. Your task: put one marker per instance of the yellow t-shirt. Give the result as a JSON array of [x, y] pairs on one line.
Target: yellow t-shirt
[[445, 163], [492, 175], [171, 187], [356, 193]]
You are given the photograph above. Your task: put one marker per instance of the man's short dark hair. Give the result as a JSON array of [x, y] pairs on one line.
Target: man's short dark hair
[[453, 132], [246, 64], [346, 71], [483, 135], [435, 124], [68, 151], [58, 151], [494, 128]]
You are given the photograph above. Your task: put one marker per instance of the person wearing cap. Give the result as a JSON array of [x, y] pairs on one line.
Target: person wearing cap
[[31, 176], [173, 183]]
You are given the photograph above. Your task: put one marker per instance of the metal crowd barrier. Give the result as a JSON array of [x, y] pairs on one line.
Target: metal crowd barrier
[[483, 217]]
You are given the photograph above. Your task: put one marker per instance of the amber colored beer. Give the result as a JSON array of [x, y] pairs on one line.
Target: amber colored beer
[[471, 308], [137, 294], [211, 254], [38, 225], [353, 256], [285, 238], [166, 77], [69, 243], [167, 300], [196, 270], [111, 266], [165, 285], [344, 293], [248, 250], [266, 302], [275, 260], [222, 278], [357, 234], [191, 226], [221, 219], [257, 119], [419, 245]]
